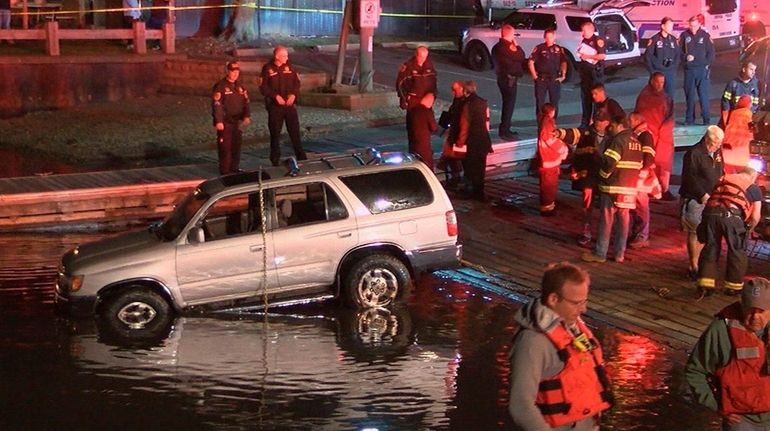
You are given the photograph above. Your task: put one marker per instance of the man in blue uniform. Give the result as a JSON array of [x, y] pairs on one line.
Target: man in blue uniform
[[548, 67], [745, 84], [697, 56], [417, 88], [230, 109], [662, 54], [509, 66], [592, 52]]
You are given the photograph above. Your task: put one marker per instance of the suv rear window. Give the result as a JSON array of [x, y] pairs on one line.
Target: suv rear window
[[575, 22], [383, 192]]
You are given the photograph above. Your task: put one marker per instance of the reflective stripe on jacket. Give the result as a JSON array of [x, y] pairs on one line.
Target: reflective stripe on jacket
[[580, 390], [621, 162]]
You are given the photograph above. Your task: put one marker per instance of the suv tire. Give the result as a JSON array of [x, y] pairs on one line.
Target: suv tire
[[136, 311], [377, 280], [477, 57]]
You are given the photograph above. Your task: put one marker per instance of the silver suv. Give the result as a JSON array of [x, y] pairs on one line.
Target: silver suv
[[359, 227], [530, 23]]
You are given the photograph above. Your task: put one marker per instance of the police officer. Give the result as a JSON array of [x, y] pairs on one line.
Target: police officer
[[280, 86], [416, 86], [591, 52], [230, 109], [697, 56], [548, 67], [745, 84], [474, 133], [509, 61], [662, 54]]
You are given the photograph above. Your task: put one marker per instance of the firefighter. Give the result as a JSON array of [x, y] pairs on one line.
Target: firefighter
[[592, 52], [558, 380], [618, 177], [662, 54], [697, 55], [551, 151], [230, 109], [417, 89], [548, 67], [732, 211], [647, 184], [746, 84], [728, 367], [509, 61]]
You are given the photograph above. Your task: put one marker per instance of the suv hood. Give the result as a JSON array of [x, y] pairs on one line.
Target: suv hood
[[110, 252]]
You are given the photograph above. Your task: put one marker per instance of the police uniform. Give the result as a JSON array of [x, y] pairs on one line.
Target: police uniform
[[548, 61], [474, 120], [590, 75], [662, 55], [412, 84], [509, 61], [696, 72], [229, 106], [281, 81]]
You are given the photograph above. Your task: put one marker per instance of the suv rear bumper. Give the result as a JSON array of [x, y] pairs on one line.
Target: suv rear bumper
[[435, 258]]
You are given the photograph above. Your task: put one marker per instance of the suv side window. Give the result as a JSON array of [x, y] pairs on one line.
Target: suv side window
[[575, 22], [304, 204], [396, 190], [543, 21], [531, 21], [232, 216]]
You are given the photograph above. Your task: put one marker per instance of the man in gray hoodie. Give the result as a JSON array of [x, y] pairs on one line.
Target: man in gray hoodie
[[557, 371]]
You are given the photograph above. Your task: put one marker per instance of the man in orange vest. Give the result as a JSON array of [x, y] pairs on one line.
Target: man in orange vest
[[557, 371], [728, 367], [732, 211]]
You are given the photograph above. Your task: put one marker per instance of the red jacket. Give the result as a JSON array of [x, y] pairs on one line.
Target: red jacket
[[658, 111], [744, 383], [582, 389]]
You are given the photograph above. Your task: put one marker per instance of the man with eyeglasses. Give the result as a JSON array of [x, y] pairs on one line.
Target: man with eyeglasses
[[558, 379]]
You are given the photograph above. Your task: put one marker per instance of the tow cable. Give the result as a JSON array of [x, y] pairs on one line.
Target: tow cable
[[263, 216]]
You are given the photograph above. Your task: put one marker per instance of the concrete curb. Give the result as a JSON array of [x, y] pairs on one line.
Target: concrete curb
[[333, 48], [445, 44], [257, 52]]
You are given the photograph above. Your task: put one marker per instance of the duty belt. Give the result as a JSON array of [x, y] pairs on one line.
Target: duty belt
[[729, 211]]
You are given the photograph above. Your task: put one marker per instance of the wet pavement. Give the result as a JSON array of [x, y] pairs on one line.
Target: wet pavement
[[440, 362]]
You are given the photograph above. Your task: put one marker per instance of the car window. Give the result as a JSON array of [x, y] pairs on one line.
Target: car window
[[519, 20], [615, 30], [543, 21], [388, 191], [231, 216], [575, 22], [303, 204]]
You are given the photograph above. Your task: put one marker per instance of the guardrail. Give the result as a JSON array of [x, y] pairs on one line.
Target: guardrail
[[139, 34]]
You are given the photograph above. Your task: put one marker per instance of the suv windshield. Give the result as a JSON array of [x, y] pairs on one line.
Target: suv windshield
[[183, 212]]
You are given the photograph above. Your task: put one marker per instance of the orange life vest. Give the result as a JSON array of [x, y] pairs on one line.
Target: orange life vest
[[580, 390], [744, 383], [731, 190]]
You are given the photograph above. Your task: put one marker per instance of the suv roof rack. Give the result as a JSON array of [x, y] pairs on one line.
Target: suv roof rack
[[371, 156]]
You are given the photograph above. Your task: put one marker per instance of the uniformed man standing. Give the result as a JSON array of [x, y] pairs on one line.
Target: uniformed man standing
[[509, 61], [591, 52], [280, 86], [474, 133], [662, 54], [417, 88], [697, 56], [745, 84], [548, 67], [230, 109]]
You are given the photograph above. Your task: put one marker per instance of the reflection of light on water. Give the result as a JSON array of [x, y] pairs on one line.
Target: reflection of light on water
[[631, 363], [450, 379]]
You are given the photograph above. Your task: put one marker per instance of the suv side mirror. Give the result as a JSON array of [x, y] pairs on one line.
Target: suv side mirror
[[196, 236]]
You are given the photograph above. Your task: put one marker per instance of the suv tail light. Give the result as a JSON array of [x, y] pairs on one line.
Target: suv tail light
[[451, 223]]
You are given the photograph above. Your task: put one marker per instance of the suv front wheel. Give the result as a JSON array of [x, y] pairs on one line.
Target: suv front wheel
[[136, 311], [377, 280], [477, 56]]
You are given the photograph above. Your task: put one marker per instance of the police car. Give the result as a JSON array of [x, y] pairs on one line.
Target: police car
[[611, 23]]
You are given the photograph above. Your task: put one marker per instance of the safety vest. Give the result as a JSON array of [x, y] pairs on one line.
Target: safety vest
[[744, 383], [731, 190], [581, 389]]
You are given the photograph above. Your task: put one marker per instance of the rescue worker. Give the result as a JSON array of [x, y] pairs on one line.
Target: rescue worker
[[701, 169], [736, 149], [618, 177], [558, 380], [732, 211], [548, 67], [591, 52], [728, 367], [657, 107], [640, 233], [509, 61], [697, 55], [474, 134], [662, 54], [586, 159], [416, 87], [280, 86], [745, 84], [551, 151], [602, 103], [230, 109]]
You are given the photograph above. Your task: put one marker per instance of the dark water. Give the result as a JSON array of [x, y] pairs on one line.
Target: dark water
[[438, 363]]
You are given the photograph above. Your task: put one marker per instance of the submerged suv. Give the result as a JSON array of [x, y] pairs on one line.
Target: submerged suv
[[359, 227], [530, 23]]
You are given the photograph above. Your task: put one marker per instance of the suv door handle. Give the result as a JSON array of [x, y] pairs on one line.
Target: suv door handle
[[255, 248], [344, 234]]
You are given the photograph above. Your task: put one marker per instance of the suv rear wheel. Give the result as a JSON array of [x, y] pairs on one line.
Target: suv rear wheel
[[477, 57], [136, 311], [377, 280]]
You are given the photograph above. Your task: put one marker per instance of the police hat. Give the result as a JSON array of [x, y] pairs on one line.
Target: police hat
[[232, 65]]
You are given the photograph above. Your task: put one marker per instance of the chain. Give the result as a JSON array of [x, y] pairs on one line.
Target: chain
[[263, 215]]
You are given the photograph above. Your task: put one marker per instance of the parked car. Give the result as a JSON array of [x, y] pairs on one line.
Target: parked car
[[530, 23], [357, 227]]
